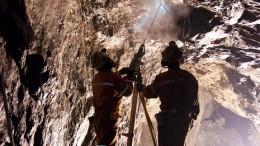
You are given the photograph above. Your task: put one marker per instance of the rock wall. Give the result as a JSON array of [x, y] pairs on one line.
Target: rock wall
[[44, 61], [45, 48]]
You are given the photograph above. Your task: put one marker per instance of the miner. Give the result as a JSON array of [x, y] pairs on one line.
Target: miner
[[177, 90], [108, 89]]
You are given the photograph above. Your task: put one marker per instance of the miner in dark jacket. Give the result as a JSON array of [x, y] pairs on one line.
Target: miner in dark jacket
[[108, 89], [177, 90]]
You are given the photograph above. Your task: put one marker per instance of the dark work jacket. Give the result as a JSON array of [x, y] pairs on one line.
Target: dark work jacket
[[108, 89], [175, 88]]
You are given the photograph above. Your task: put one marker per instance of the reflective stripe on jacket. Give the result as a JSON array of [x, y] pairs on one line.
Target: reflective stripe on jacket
[[108, 89], [175, 88]]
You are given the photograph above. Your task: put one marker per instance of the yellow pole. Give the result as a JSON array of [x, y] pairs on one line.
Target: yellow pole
[[130, 133], [149, 121]]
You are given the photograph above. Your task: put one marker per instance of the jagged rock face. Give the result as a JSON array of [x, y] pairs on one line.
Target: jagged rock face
[[46, 85], [45, 48]]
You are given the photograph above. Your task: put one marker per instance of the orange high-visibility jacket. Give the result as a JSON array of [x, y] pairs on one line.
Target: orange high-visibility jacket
[[108, 89], [175, 88]]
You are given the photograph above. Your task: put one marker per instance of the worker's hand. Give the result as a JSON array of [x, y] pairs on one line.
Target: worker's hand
[[195, 110], [142, 46], [139, 87]]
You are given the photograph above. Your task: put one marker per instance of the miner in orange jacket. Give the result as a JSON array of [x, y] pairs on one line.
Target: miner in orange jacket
[[108, 89], [177, 90]]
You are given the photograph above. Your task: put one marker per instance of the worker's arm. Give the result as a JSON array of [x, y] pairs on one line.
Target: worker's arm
[[150, 91], [123, 86]]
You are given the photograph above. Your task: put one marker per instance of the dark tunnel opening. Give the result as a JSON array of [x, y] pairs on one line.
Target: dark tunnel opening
[[35, 76]]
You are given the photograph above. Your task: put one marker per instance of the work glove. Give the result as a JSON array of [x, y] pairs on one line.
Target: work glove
[[195, 111], [128, 73], [139, 87], [142, 46], [193, 108]]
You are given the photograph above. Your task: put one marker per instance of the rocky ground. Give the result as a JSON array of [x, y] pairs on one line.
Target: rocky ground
[[45, 48]]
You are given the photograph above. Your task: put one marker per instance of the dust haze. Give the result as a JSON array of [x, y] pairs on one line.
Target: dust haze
[[165, 26]]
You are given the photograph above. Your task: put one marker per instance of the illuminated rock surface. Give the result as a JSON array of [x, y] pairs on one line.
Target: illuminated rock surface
[[45, 48]]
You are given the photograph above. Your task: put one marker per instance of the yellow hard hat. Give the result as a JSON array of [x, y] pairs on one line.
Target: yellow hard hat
[[172, 53]]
